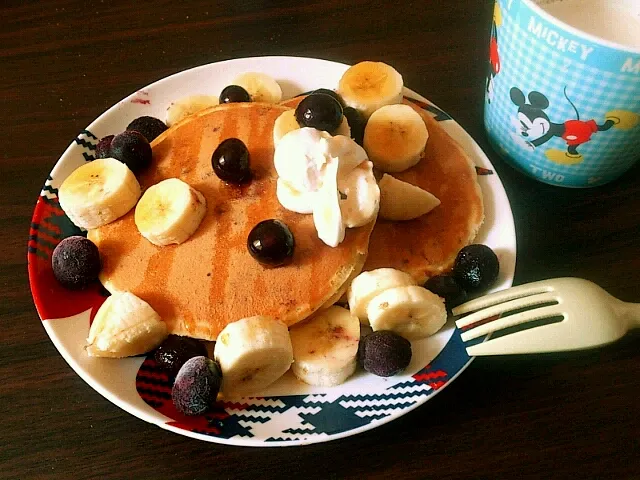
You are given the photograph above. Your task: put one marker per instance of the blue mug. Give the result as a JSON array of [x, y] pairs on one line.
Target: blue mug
[[561, 105]]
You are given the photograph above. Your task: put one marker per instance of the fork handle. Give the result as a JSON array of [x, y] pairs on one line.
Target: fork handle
[[630, 312]]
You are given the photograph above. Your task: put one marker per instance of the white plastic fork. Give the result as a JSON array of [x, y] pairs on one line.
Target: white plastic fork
[[590, 317]]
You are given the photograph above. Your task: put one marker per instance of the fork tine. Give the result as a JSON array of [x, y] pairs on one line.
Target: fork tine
[[518, 303], [511, 321], [535, 340], [502, 296]]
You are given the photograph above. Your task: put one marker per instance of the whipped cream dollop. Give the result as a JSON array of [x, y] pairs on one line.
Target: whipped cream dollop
[[329, 177]]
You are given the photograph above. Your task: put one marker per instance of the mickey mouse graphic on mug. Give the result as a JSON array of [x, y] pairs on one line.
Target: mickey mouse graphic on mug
[[534, 128]]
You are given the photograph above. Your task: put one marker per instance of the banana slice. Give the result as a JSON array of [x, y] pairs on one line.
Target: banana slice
[[412, 312], [367, 86], [402, 201], [98, 193], [253, 353], [294, 200], [125, 326], [359, 196], [395, 138], [285, 123], [170, 212], [367, 285], [327, 216], [260, 86], [325, 347], [182, 108]]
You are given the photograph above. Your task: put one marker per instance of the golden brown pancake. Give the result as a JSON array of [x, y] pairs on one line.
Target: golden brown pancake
[[428, 245], [201, 285]]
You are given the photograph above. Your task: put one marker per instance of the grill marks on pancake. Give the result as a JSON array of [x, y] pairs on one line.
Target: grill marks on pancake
[[222, 222], [260, 207], [162, 266]]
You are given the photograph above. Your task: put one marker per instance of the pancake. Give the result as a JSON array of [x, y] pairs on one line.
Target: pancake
[[201, 285], [428, 245]]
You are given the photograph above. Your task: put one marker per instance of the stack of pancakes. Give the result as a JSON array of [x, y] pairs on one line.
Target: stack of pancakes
[[201, 285]]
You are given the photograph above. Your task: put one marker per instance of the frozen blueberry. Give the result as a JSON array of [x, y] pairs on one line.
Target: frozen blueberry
[[196, 386], [476, 267], [384, 353], [149, 127], [447, 287], [176, 350], [76, 262], [132, 149], [103, 149]]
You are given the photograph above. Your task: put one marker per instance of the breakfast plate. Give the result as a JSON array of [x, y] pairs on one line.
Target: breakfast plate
[[288, 412]]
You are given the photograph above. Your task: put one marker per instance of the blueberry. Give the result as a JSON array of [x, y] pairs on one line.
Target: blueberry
[[76, 262], [320, 111], [331, 93], [149, 127], [234, 94], [196, 386], [384, 353], [176, 350], [103, 149], [271, 243], [230, 161], [476, 267], [447, 287], [132, 149], [357, 123]]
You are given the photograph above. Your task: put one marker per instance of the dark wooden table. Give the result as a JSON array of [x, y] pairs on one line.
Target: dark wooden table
[[64, 62]]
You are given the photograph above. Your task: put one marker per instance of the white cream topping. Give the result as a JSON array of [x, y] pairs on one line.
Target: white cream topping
[[329, 177]]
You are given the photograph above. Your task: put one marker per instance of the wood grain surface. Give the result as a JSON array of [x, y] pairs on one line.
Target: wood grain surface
[[560, 416]]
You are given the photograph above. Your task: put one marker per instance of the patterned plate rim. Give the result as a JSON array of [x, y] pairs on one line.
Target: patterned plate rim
[[449, 363]]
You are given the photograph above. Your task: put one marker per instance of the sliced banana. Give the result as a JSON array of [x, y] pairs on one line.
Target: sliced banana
[[369, 284], [253, 353], [260, 87], [170, 212], [285, 123], [367, 86], [125, 325], [325, 347], [402, 201], [182, 108], [359, 196], [98, 193], [294, 200], [395, 138], [327, 216], [411, 311]]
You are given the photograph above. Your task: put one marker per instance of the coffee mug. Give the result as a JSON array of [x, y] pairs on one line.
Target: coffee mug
[[562, 104]]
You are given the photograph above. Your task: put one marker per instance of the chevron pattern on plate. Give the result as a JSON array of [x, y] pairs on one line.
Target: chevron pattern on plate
[[297, 418]]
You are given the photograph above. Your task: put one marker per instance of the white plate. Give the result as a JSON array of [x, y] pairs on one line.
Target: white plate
[[288, 413]]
